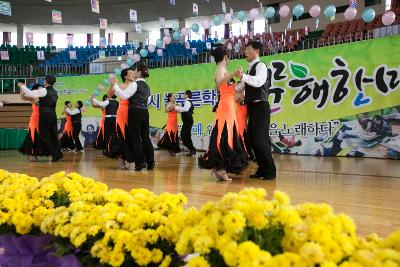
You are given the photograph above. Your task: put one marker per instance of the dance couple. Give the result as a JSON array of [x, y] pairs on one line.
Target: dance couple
[[73, 126], [42, 139], [131, 141], [170, 139], [229, 150]]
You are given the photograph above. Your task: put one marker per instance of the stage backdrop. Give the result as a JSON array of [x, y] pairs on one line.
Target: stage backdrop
[[323, 100]]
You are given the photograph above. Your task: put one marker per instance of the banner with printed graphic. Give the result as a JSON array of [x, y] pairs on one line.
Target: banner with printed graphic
[[340, 100]]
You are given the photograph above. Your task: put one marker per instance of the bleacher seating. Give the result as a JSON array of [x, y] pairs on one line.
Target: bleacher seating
[[355, 30], [23, 56]]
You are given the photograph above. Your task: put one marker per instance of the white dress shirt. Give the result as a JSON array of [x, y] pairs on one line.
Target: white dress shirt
[[257, 80], [102, 104], [185, 108], [41, 92], [72, 112], [129, 91]]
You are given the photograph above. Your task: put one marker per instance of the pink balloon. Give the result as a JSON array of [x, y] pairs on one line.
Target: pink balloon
[[151, 48], [284, 11], [136, 58], [101, 87], [205, 23], [315, 10], [350, 13], [167, 40], [228, 18], [253, 13], [388, 18], [184, 32]]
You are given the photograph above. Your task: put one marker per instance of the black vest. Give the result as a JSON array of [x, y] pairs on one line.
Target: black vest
[[261, 93], [49, 101], [139, 99], [77, 117], [112, 107], [188, 114]]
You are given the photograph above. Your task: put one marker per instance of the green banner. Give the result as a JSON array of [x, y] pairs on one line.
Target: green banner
[[317, 86]]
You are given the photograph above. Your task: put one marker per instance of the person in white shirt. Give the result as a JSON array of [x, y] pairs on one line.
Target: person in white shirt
[[138, 93], [256, 85], [76, 117], [187, 122], [47, 115]]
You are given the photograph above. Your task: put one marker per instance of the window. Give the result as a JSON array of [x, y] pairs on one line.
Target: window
[[80, 39], [217, 29], [197, 35], [96, 39], [13, 38], [239, 29], [118, 38], [259, 26], [154, 36], [372, 2], [60, 40], [40, 39]]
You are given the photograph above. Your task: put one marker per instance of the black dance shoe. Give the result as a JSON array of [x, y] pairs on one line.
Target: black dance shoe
[[262, 176], [57, 158], [192, 153], [139, 167], [150, 166]]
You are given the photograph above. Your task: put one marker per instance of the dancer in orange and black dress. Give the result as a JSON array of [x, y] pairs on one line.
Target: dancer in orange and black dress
[[170, 140], [67, 140], [226, 152], [76, 117], [32, 146], [118, 146], [107, 125]]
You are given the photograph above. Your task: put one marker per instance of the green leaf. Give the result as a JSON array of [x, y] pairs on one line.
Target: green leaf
[[299, 71]]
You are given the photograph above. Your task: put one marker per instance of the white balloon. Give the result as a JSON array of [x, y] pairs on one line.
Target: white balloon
[[205, 23], [228, 18], [151, 48], [253, 13]]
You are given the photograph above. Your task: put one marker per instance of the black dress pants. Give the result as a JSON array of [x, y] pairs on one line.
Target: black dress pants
[[48, 133], [186, 133]]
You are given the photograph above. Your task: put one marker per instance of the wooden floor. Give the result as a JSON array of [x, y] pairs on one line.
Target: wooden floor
[[366, 189]]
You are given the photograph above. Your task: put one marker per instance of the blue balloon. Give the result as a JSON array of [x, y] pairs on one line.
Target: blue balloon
[[129, 62], [270, 12], [330, 11], [217, 20], [143, 52], [241, 16], [298, 10], [195, 27], [87, 103], [368, 15], [117, 71], [96, 92], [176, 35], [159, 43], [175, 26], [106, 82]]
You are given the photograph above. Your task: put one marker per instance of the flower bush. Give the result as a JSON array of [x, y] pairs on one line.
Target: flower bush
[[112, 227]]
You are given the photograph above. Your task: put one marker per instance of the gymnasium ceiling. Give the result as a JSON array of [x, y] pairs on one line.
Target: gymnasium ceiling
[[78, 12]]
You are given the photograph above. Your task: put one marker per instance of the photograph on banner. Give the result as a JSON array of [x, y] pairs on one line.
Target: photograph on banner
[[95, 6], [56, 16], [138, 27], [195, 9], [40, 55], [102, 54], [172, 2], [103, 42], [132, 15], [72, 54], [323, 101], [4, 55], [103, 24], [70, 39], [5, 8], [162, 22], [29, 37]]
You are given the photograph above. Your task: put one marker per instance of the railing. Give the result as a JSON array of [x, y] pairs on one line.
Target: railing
[[62, 69], [16, 70], [9, 85]]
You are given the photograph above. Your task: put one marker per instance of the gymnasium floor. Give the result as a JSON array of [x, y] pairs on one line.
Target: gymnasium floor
[[366, 189]]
